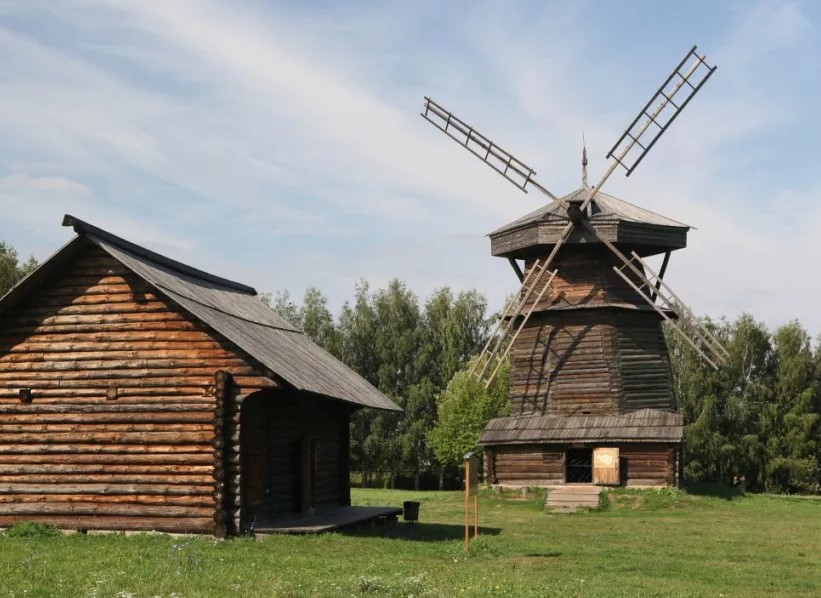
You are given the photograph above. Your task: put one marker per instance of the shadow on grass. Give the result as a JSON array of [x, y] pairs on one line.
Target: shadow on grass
[[714, 490], [543, 555], [421, 532]]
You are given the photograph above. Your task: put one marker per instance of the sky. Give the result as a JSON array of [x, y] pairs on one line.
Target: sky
[[280, 144]]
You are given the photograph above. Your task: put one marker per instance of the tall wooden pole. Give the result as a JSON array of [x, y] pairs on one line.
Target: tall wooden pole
[[467, 504]]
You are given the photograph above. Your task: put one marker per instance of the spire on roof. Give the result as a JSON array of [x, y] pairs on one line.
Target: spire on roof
[[584, 163]]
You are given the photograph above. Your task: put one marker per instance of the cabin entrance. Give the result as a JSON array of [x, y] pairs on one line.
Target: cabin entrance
[[579, 466]]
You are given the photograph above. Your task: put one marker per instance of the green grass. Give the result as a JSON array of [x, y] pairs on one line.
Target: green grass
[[651, 543]]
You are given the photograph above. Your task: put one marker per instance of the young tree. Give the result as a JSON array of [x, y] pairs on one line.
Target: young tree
[[465, 407]]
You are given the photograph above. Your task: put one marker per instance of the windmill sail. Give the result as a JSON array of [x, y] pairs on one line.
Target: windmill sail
[[668, 102]]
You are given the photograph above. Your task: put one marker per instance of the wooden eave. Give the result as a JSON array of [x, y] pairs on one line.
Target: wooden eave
[[644, 426], [539, 237]]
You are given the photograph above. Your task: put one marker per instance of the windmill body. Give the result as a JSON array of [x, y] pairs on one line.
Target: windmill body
[[590, 373]]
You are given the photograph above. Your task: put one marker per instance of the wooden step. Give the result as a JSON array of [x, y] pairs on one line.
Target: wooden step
[[571, 497]]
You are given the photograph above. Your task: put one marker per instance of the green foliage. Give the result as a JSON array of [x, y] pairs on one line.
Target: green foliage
[[31, 529], [12, 270], [465, 407], [759, 415]]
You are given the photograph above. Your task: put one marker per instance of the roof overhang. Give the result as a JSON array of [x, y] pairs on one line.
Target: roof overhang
[[643, 426]]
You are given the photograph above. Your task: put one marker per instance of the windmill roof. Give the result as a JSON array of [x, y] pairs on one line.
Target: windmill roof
[[232, 310], [645, 425], [605, 209]]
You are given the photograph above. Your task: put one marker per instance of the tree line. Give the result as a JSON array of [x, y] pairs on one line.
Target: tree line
[[758, 417]]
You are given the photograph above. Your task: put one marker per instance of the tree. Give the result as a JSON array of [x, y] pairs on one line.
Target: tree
[[317, 321], [11, 270], [794, 440], [465, 407]]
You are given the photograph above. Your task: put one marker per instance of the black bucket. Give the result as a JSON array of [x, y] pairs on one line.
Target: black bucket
[[411, 510]]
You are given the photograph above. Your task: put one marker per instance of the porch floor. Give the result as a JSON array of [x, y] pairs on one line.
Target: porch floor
[[328, 520]]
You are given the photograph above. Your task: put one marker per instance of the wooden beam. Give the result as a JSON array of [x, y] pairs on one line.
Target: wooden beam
[[661, 275], [519, 274]]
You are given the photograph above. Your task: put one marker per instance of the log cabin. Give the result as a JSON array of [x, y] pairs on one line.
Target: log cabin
[[138, 393], [591, 386]]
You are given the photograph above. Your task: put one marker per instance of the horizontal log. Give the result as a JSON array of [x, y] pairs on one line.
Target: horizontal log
[[94, 346], [76, 447], [25, 320], [111, 408], [46, 430], [181, 525], [107, 478], [137, 499], [133, 356], [146, 438], [137, 418], [70, 370], [99, 393], [104, 308], [114, 510], [118, 489], [91, 381], [103, 468], [53, 458], [114, 285], [98, 299], [97, 336], [13, 330]]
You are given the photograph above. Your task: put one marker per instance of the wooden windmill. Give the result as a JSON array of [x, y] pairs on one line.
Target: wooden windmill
[[590, 373]]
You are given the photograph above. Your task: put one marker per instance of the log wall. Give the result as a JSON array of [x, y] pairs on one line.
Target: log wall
[[544, 465], [592, 345], [123, 430]]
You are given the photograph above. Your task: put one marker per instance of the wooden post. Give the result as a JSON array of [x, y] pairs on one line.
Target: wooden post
[[467, 505], [471, 489]]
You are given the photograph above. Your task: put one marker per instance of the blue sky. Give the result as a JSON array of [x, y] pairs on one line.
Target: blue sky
[[280, 144]]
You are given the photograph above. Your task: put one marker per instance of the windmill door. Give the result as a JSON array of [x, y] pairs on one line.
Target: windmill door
[[606, 466]]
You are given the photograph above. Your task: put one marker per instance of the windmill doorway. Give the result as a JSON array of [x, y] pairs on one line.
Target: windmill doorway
[[579, 466]]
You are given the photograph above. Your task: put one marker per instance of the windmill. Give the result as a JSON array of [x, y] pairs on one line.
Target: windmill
[[629, 150], [591, 380]]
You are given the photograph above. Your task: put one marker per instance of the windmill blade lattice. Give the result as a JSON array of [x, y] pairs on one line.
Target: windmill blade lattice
[[668, 102]]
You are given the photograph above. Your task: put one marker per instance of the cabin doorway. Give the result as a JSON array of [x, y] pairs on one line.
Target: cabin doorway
[[255, 456], [579, 466]]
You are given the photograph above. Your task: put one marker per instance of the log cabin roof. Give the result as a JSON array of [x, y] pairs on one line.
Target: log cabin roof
[[616, 220], [645, 425], [231, 309]]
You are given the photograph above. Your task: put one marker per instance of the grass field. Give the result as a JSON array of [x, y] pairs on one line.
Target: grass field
[[647, 543]]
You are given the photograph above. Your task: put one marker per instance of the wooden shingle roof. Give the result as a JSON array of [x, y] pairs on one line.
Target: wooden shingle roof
[[604, 208], [616, 220], [645, 425]]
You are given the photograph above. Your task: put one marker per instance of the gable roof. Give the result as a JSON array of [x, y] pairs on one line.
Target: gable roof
[[605, 208], [234, 311]]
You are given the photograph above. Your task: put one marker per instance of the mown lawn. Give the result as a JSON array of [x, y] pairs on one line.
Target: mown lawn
[[647, 544]]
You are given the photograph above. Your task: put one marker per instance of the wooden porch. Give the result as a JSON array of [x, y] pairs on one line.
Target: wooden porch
[[327, 521]]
